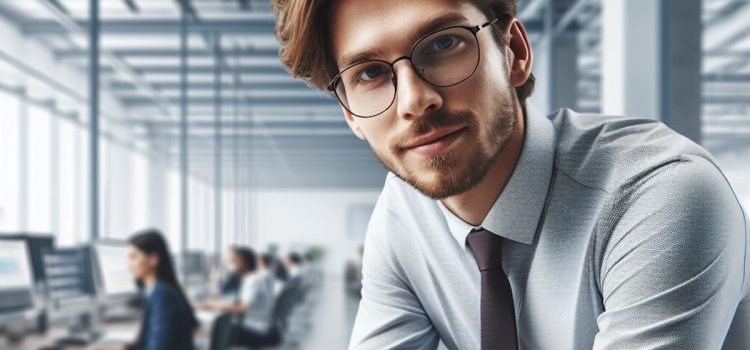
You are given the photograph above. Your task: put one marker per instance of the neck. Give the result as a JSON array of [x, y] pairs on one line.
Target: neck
[[149, 281], [473, 205]]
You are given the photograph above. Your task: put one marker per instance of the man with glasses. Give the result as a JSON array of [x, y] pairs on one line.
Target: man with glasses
[[498, 227]]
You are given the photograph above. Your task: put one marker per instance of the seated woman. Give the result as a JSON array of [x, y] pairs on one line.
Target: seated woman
[[255, 301], [168, 321]]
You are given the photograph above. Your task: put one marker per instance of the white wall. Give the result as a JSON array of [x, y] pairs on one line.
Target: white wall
[[300, 218]]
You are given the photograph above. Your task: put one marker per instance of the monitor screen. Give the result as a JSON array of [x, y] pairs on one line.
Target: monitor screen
[[38, 244], [16, 280], [113, 265], [194, 263]]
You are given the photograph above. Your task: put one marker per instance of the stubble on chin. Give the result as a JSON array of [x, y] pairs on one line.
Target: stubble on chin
[[456, 171]]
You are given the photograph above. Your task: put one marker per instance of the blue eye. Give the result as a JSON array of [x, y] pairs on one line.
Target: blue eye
[[442, 44], [370, 73]]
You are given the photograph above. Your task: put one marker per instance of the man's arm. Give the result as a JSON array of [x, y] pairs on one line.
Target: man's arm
[[224, 305], [673, 267], [390, 316]]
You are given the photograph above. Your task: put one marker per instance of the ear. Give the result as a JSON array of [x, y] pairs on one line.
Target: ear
[[520, 56], [353, 124]]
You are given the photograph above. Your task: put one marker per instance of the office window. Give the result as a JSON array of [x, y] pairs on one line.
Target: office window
[[138, 184], [67, 163], [197, 216], [9, 156], [81, 184], [726, 104], [39, 170], [175, 226], [228, 225]]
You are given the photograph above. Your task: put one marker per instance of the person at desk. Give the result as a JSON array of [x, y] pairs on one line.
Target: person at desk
[[230, 284], [169, 321], [255, 301], [294, 264], [268, 264]]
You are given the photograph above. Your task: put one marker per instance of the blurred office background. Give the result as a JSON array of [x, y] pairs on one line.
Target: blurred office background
[[189, 124]]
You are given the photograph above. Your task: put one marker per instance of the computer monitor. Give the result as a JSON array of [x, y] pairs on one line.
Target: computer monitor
[[37, 243], [193, 267], [70, 290], [116, 281], [71, 293], [16, 281], [194, 263]]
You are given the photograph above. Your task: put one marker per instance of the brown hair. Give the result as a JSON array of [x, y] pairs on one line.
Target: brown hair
[[301, 30]]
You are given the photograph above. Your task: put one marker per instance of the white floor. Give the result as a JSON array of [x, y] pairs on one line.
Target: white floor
[[332, 317]]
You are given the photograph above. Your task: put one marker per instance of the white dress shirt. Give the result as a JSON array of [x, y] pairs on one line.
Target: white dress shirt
[[257, 291], [619, 234]]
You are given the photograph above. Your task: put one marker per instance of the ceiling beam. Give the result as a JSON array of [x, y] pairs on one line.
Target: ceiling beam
[[322, 101], [168, 53], [132, 6], [727, 78], [256, 24], [194, 69], [67, 24], [239, 125], [288, 85], [727, 99]]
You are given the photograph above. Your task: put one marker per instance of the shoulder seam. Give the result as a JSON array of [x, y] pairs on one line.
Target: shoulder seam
[[578, 182]]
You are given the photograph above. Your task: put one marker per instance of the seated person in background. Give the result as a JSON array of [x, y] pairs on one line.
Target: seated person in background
[[280, 270], [230, 284], [294, 264], [353, 274], [255, 301], [268, 264], [169, 322]]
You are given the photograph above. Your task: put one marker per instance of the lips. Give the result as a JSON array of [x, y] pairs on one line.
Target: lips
[[435, 143], [432, 137]]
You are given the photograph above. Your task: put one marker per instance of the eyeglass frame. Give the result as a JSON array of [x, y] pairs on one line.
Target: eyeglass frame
[[474, 31]]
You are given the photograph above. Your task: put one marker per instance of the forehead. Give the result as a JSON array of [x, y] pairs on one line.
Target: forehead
[[389, 27]]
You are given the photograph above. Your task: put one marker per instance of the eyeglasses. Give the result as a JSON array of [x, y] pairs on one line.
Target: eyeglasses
[[443, 58]]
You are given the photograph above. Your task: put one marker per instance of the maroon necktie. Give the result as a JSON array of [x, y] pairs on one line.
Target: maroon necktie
[[498, 327]]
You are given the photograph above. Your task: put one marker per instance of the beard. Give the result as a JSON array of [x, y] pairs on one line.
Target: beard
[[456, 171]]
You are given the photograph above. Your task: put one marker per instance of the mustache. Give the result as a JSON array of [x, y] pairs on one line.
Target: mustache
[[436, 121]]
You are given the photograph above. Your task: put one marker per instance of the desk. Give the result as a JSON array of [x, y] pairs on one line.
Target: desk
[[114, 333]]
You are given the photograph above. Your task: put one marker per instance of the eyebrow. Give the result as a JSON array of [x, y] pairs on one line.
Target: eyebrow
[[433, 25]]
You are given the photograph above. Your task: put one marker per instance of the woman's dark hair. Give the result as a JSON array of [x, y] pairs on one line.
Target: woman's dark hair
[[152, 242], [248, 257], [267, 259], [281, 272], [295, 258]]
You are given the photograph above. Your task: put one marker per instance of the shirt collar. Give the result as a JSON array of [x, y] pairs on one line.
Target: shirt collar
[[516, 212]]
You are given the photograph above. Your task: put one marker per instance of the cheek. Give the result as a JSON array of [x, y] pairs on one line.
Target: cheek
[[137, 265], [480, 91], [493, 64], [378, 132]]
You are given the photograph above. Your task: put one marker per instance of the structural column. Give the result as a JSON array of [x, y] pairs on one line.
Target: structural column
[[184, 194], [94, 118], [556, 57], [235, 156], [563, 53], [651, 61], [23, 160], [218, 161]]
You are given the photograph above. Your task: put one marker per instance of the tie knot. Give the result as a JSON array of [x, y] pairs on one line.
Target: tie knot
[[486, 247]]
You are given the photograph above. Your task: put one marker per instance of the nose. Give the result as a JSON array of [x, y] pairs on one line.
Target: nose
[[414, 96]]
